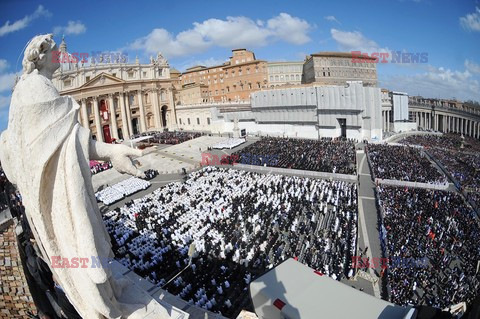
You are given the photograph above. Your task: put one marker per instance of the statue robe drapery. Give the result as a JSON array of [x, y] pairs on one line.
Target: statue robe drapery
[[45, 153]]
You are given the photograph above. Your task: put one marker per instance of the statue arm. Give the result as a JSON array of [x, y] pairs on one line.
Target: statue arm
[[120, 156]]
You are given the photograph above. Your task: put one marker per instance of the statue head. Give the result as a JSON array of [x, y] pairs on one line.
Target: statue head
[[39, 56]]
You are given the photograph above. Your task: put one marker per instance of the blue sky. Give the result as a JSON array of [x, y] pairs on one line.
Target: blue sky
[[204, 32]]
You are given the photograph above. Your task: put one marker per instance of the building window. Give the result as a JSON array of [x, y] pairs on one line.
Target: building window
[[208, 120], [114, 74], [180, 120], [131, 74], [87, 79], [144, 74], [67, 83], [163, 95], [198, 120], [188, 120]]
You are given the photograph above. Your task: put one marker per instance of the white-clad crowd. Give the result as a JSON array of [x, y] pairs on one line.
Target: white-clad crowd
[[242, 224], [112, 194], [229, 143]]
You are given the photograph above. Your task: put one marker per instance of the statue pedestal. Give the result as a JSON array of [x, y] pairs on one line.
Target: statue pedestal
[[140, 291]]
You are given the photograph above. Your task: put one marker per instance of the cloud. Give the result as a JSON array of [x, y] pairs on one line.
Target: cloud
[[23, 23], [233, 32], [355, 41], [73, 27], [290, 29], [471, 21], [332, 19], [207, 62], [6, 81], [3, 65], [4, 101], [437, 82], [472, 66]]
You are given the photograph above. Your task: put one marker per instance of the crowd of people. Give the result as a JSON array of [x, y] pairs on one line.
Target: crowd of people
[[112, 194], [459, 156], [150, 174], [97, 167], [242, 224], [323, 155], [437, 225], [229, 143], [171, 138], [403, 163], [3, 196]]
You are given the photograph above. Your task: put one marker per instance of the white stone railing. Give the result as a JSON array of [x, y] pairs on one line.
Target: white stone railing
[[392, 182]]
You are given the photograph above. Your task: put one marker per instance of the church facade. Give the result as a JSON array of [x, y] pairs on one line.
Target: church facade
[[120, 99]]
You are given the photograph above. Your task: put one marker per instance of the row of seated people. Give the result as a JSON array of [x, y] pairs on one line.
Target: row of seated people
[[323, 155], [171, 138], [438, 226], [242, 224], [462, 163], [403, 163]]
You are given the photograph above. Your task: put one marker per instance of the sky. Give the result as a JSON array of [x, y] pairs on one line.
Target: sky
[[189, 33]]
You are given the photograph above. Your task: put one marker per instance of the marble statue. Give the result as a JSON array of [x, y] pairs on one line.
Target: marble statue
[[45, 152]]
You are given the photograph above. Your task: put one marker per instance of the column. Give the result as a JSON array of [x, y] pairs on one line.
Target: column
[[143, 126], [417, 118], [86, 121], [172, 121], [96, 115], [121, 102], [113, 116], [129, 114], [471, 128], [156, 111], [388, 121]]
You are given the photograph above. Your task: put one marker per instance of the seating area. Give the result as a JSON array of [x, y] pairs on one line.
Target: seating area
[[114, 193], [403, 163], [323, 155], [97, 167], [437, 225], [229, 143], [171, 138], [242, 224]]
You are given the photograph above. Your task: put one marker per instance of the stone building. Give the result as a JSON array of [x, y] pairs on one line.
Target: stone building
[[232, 81], [284, 73], [336, 68], [120, 99], [351, 110], [447, 116]]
